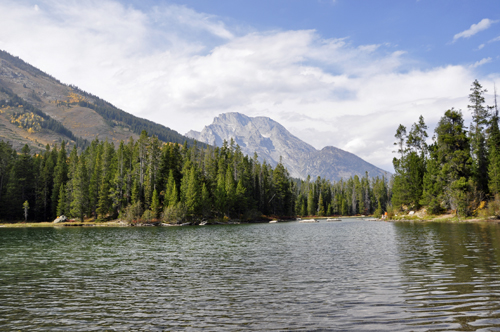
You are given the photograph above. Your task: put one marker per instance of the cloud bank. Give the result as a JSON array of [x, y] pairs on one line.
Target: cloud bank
[[182, 68]]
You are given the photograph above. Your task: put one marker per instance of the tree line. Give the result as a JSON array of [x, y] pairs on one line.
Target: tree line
[[459, 170], [111, 115], [149, 180]]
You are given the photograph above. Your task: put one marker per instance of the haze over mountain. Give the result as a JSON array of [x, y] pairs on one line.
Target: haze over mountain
[[271, 141], [36, 109]]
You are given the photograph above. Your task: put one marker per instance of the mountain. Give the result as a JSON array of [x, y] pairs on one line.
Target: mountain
[[271, 141], [36, 109]]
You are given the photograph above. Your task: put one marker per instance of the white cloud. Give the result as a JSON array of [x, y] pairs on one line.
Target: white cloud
[[181, 68], [494, 40], [175, 16], [484, 24], [481, 62]]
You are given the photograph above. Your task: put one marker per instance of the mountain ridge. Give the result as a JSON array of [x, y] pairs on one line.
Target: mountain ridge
[[82, 115], [272, 142]]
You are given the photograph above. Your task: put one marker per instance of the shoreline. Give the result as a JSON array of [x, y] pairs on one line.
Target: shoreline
[[121, 223], [447, 220]]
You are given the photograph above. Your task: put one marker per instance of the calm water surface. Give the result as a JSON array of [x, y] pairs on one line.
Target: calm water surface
[[352, 275]]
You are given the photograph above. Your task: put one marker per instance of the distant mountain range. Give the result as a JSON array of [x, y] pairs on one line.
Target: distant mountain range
[[271, 141], [36, 109]]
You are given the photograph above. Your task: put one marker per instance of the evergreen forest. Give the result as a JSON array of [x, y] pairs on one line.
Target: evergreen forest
[[147, 180], [459, 171]]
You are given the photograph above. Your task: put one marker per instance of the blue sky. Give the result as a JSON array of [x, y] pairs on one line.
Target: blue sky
[[344, 73], [423, 28]]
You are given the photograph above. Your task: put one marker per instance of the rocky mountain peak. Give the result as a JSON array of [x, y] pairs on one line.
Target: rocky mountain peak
[[270, 140]]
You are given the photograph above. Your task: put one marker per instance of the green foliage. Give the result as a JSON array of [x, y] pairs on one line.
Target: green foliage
[[185, 183], [175, 213], [494, 152], [148, 216], [321, 209], [410, 167], [142, 178], [459, 169], [80, 201], [61, 206], [133, 212], [480, 118], [155, 204]]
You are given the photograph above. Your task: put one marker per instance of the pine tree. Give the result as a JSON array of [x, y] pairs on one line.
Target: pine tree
[[205, 201], [104, 202], [453, 153], [220, 193], [478, 137], [282, 199], [95, 179], [153, 163], [329, 210], [72, 170], [494, 151], [80, 202], [401, 191], [410, 167], [432, 192], [142, 154], [60, 177], [192, 192], [6, 161], [46, 182], [311, 207], [321, 208], [21, 184], [155, 204], [241, 199], [171, 194], [61, 206], [230, 190]]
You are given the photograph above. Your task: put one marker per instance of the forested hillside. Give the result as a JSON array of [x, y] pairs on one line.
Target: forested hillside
[[459, 171], [57, 112]]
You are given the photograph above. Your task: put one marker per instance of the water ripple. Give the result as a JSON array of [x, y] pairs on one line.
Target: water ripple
[[349, 275]]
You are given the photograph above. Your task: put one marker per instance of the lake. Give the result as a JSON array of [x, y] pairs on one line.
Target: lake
[[352, 275]]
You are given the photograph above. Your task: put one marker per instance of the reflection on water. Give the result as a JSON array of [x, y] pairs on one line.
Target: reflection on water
[[349, 275], [452, 274]]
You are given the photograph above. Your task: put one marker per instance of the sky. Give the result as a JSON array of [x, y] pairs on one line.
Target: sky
[[343, 73]]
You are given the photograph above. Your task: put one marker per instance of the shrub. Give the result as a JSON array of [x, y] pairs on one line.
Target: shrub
[[175, 213], [147, 216], [434, 207], [133, 212], [377, 213], [494, 207], [390, 213]]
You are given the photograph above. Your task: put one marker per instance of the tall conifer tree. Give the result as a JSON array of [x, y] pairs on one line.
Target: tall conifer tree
[[477, 135]]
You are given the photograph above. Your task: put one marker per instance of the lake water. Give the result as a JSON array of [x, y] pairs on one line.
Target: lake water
[[352, 275]]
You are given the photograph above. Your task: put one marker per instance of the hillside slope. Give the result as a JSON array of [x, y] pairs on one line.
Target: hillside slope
[[83, 115]]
